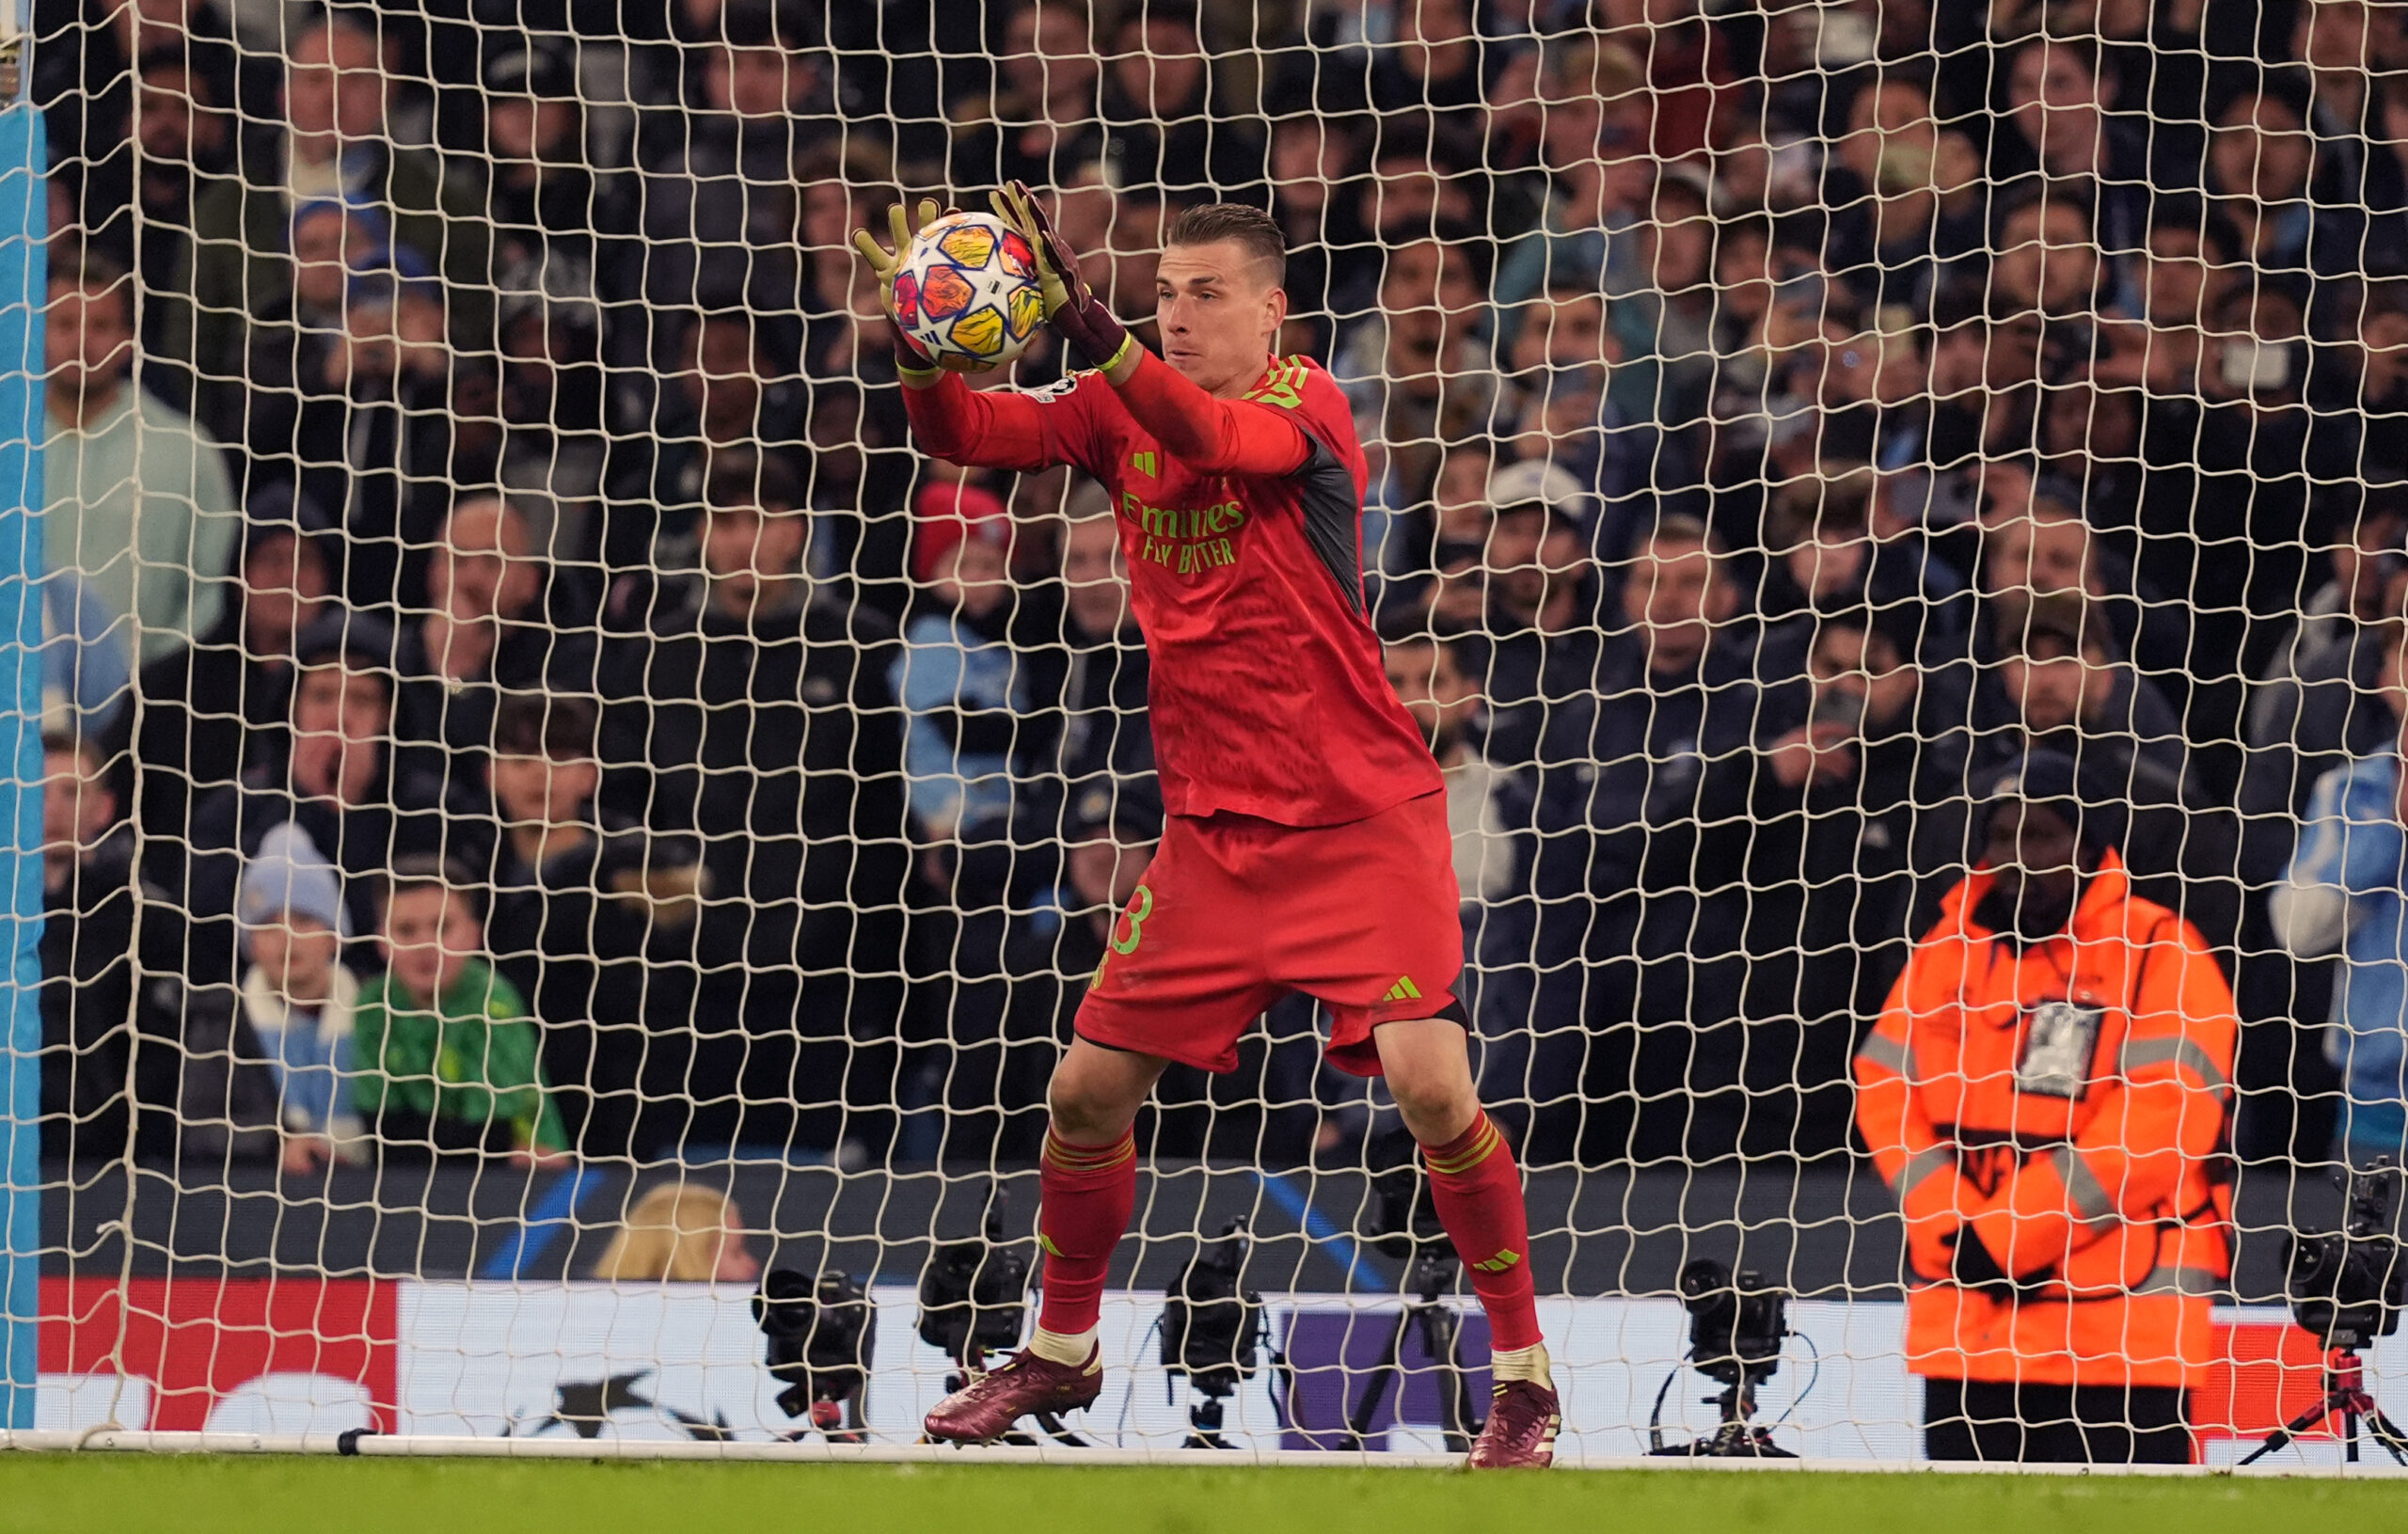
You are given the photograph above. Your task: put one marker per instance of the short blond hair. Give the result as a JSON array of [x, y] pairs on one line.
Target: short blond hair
[[674, 1232]]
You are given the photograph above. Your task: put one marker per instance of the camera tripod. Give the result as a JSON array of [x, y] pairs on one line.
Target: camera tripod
[[1204, 1418], [1433, 1273], [1737, 1438], [838, 1421], [2345, 1392]]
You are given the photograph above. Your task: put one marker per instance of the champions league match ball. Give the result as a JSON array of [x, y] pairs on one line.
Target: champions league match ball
[[969, 288]]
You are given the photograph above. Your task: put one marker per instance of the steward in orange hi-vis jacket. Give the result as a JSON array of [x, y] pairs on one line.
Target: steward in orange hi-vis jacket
[[2045, 1092]]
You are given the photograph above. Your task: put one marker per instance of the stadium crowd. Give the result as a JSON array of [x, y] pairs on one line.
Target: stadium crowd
[[490, 579]]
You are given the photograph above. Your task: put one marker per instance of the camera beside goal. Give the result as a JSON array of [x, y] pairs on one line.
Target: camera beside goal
[[968, 288], [2348, 1287], [821, 1333]]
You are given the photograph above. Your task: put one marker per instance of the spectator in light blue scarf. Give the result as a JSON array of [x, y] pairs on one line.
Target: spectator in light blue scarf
[[298, 998]]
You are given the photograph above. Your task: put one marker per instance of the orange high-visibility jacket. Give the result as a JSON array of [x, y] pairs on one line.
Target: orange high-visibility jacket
[[2067, 1103]]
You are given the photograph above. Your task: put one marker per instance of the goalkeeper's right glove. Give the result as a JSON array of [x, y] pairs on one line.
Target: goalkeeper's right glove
[[884, 263]]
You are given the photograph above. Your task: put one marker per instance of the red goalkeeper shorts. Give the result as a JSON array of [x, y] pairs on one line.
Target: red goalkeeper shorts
[[1235, 911]]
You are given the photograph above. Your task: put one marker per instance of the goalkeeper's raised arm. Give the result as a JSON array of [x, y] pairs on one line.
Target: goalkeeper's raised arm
[[1219, 306]]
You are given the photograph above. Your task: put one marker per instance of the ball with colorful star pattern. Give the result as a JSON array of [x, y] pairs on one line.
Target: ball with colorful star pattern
[[969, 288]]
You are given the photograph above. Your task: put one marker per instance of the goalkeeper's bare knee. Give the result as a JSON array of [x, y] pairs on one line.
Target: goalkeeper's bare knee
[[1095, 1092]]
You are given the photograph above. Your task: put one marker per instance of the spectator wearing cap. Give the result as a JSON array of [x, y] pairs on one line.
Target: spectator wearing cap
[[758, 718], [501, 621], [1857, 829], [337, 777], [2045, 1094], [296, 996], [2344, 894], [137, 500], [1581, 449], [1548, 483], [592, 920], [222, 704]]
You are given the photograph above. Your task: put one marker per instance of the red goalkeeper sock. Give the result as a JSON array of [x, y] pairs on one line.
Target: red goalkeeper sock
[[1085, 1195], [1477, 1192]]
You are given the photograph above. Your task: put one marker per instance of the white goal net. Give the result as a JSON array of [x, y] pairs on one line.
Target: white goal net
[[555, 815]]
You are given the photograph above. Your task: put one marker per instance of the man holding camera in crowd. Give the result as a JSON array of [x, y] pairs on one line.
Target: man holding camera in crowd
[[2046, 1092]]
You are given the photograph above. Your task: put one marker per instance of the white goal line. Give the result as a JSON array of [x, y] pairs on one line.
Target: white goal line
[[432, 1445]]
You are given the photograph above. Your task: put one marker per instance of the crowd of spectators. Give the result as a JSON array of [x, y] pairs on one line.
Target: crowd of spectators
[[486, 550]]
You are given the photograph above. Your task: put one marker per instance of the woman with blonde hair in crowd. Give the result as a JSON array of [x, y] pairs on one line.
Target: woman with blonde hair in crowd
[[683, 1234]]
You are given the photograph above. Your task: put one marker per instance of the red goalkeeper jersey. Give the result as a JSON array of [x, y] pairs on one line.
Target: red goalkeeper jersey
[[1241, 521]]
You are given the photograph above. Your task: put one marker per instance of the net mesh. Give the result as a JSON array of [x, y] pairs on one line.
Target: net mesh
[[490, 575]]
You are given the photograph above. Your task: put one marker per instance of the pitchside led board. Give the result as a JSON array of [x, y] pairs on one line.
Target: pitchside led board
[[683, 1361]]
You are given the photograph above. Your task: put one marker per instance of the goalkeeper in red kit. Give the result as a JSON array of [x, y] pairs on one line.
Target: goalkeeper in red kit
[[1306, 846]]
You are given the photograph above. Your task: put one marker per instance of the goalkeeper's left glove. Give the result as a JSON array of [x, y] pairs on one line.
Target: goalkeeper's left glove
[[1069, 302]]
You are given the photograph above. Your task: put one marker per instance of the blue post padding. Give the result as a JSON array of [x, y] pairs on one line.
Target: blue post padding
[[24, 286]]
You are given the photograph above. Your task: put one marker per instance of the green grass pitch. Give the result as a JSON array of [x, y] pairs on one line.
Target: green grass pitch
[[64, 1494]]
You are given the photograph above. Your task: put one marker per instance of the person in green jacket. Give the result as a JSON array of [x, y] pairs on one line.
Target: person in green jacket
[[447, 1053]]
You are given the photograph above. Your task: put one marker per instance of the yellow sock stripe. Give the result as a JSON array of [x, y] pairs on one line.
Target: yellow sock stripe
[[1065, 1157], [1104, 1158], [1454, 1165], [1485, 1143]]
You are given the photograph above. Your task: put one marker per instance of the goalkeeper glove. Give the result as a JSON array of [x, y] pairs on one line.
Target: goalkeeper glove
[[1069, 302], [884, 264]]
